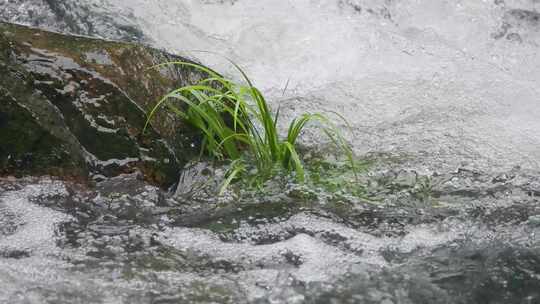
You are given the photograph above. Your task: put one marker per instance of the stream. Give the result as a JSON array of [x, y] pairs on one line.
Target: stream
[[441, 96]]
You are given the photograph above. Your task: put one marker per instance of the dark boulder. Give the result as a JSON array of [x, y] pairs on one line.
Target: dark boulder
[[74, 106]]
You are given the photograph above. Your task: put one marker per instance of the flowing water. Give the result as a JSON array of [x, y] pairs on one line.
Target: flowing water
[[445, 89]]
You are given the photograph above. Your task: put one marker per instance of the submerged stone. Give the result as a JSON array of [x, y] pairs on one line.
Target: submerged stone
[[74, 106]]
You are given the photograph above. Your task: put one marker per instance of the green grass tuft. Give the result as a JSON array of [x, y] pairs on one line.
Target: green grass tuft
[[237, 124]]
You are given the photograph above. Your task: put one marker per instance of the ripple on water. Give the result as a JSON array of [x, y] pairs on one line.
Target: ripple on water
[[476, 236]]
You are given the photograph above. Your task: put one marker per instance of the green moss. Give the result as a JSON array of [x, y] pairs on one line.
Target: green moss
[[337, 177]]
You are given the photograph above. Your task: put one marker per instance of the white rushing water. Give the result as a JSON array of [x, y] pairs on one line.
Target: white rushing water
[[450, 82]]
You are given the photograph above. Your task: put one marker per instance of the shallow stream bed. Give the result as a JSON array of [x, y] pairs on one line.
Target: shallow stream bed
[[447, 91], [469, 238]]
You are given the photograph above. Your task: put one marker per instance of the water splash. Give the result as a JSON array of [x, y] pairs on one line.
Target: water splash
[[450, 83]]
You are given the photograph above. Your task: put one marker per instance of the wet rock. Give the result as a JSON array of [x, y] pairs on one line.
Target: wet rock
[[531, 18], [406, 178], [14, 254], [27, 147], [514, 37], [73, 106], [534, 221], [519, 25], [194, 179]]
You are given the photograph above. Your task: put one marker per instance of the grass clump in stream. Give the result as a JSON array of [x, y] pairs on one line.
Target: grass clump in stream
[[237, 124]]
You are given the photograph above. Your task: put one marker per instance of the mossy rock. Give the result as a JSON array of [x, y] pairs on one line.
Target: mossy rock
[[71, 106], [28, 148]]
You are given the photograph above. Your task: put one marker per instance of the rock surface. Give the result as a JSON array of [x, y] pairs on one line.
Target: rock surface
[[73, 106]]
